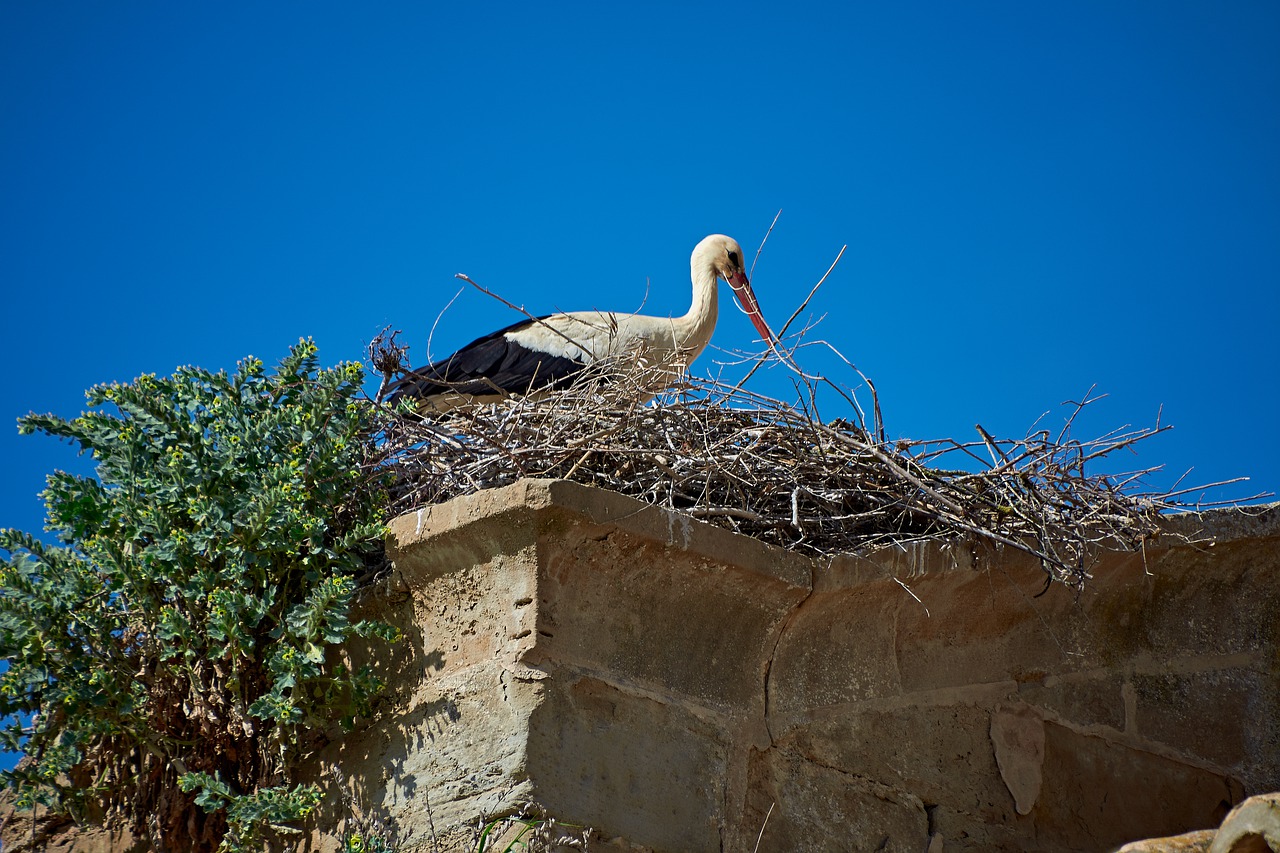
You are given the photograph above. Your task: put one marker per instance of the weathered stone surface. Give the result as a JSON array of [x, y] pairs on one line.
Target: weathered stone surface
[[983, 627], [1098, 794], [1238, 524], [1086, 700], [454, 747], [1212, 599], [828, 658], [1017, 733], [643, 769], [601, 658], [797, 804], [1172, 707], [661, 619], [939, 752]]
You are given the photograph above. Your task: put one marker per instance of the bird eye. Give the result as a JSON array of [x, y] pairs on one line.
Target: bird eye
[[733, 259]]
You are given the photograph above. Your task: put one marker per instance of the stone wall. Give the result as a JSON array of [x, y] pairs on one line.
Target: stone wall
[[687, 689], [683, 689]]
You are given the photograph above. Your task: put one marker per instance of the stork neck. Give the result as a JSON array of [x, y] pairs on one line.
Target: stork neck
[[698, 324]]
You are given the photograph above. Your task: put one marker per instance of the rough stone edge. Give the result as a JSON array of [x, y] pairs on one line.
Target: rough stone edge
[[675, 529], [605, 508], [1227, 524]]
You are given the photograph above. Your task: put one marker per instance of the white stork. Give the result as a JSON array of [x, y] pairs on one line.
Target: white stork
[[548, 352]]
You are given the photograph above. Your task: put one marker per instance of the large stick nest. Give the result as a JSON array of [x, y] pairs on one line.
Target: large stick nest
[[776, 472]]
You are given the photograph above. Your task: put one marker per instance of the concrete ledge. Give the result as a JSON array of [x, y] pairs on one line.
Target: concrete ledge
[[670, 682]]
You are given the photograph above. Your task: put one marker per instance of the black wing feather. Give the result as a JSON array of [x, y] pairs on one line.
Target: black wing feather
[[486, 366]]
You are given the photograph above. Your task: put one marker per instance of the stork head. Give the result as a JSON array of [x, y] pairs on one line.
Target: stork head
[[725, 256]]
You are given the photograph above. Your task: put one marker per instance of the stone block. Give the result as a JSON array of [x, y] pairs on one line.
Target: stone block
[[1253, 826], [1212, 599], [647, 770], [574, 649], [942, 753], [660, 618], [1083, 700], [837, 649], [987, 626], [1177, 709], [797, 804], [1098, 794], [1188, 842]]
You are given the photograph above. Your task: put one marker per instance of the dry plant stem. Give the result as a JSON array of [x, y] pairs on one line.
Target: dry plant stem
[[760, 249], [431, 336], [899, 582], [762, 826], [387, 357], [809, 298], [787, 358], [1216, 485], [513, 306]]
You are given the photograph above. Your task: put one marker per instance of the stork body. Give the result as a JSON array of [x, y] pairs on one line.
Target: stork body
[[548, 352]]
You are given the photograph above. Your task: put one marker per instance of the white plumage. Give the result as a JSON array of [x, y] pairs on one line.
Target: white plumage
[[547, 352]]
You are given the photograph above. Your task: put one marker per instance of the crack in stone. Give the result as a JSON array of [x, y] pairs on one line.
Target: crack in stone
[[777, 641]]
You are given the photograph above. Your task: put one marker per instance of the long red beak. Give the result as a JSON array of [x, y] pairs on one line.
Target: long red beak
[[747, 300]]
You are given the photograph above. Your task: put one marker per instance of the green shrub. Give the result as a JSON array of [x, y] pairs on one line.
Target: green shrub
[[175, 655]]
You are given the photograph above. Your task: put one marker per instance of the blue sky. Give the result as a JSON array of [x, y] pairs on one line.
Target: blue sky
[[1037, 198]]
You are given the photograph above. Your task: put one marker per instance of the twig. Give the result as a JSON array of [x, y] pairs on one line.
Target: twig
[[899, 582], [772, 348], [432, 334], [760, 249], [762, 826], [807, 299], [514, 307]]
